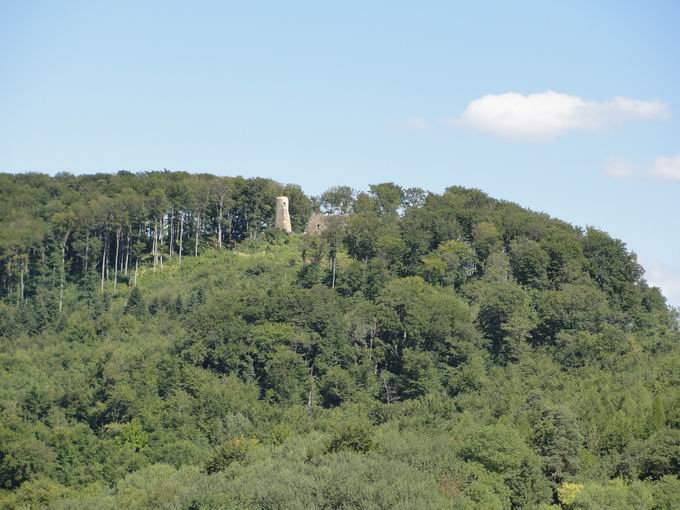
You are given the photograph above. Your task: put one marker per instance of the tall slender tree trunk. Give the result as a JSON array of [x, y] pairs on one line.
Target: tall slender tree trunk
[[181, 235], [21, 283], [198, 229], [333, 280], [219, 226], [160, 239], [310, 396], [115, 263], [136, 269], [27, 261], [172, 233], [104, 261], [87, 251], [63, 270], [154, 245], [127, 251]]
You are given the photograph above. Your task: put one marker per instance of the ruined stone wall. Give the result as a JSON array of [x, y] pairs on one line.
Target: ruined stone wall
[[318, 223]]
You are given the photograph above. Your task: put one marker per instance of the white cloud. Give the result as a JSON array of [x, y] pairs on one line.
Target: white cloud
[[663, 167], [667, 168], [545, 115], [619, 169]]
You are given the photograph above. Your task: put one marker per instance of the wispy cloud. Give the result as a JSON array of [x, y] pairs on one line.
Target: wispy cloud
[[545, 115], [665, 167]]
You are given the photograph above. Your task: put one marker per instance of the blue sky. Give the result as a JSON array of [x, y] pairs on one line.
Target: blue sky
[[516, 98]]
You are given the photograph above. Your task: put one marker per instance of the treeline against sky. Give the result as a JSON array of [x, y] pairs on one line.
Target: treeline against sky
[[61, 227]]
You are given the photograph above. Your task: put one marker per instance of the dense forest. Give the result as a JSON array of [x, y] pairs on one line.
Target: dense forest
[[163, 346]]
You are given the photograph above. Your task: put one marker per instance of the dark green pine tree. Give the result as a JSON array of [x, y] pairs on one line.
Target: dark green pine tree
[[135, 304]]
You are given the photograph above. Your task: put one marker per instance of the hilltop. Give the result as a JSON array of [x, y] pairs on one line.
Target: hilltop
[[163, 345]]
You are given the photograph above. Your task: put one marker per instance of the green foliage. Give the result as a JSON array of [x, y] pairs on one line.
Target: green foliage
[[577, 307], [505, 316], [615, 270], [451, 264], [135, 304], [338, 200], [353, 437], [467, 354], [529, 263], [286, 376], [661, 455], [234, 450]]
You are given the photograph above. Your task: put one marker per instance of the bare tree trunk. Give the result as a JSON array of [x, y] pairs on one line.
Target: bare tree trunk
[[160, 236], [172, 234], [136, 269], [104, 262], [388, 390], [181, 235], [127, 251], [27, 261], [333, 280], [310, 396], [21, 284], [63, 267], [198, 228], [87, 250], [115, 264], [231, 227], [154, 245], [219, 225]]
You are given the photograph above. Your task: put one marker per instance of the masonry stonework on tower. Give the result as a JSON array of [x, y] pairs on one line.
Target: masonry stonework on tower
[[282, 215]]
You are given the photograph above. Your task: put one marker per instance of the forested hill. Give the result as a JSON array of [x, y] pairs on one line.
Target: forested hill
[[163, 346]]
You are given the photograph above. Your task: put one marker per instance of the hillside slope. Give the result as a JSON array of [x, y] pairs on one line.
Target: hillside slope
[[426, 351]]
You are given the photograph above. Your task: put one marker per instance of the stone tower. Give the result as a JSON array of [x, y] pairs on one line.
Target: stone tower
[[282, 215]]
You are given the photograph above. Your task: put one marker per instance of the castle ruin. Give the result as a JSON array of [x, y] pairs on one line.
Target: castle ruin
[[282, 215], [318, 223]]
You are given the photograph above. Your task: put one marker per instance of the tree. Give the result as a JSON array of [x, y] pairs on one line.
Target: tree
[[556, 438], [506, 317], [361, 234], [234, 450], [354, 437], [661, 455], [413, 197], [450, 264], [64, 224], [338, 200], [333, 234], [575, 306], [387, 197], [529, 263], [286, 377], [614, 269], [486, 239], [222, 190], [135, 304]]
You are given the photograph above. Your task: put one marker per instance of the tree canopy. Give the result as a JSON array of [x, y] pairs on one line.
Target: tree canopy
[[163, 346]]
